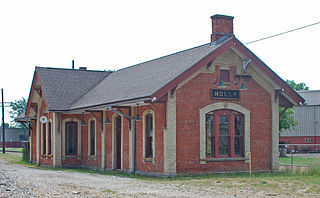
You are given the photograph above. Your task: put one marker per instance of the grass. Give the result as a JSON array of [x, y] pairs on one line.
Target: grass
[[12, 150], [300, 161], [271, 184]]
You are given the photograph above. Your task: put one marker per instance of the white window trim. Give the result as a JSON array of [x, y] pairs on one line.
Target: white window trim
[[219, 106], [92, 157], [64, 135], [146, 112]]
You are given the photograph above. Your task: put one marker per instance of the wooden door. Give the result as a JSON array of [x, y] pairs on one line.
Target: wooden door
[[118, 142]]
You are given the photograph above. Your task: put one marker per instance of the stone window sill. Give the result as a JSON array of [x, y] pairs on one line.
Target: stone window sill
[[204, 160], [72, 156], [148, 160], [92, 157]]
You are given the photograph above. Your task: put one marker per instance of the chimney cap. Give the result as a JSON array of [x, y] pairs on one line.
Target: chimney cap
[[222, 16]]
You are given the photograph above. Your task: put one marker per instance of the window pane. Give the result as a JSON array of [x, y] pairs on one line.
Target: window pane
[[209, 134], [210, 146], [209, 125], [223, 125], [238, 146], [224, 145], [238, 125], [149, 136], [49, 138], [44, 138]]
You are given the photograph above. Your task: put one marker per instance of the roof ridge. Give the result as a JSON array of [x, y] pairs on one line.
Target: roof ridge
[[162, 57], [72, 69]]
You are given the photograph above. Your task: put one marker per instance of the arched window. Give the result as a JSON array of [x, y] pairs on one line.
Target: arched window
[[149, 136], [92, 138], [71, 138], [44, 138], [49, 138], [224, 134]]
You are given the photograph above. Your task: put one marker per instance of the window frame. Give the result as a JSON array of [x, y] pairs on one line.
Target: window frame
[[231, 115], [79, 154], [69, 140], [147, 158], [202, 128], [49, 140], [90, 155], [44, 138]]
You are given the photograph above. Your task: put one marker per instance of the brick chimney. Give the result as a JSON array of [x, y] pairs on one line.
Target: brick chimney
[[221, 25]]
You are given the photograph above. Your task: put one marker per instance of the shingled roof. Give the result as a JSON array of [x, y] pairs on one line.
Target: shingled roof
[[70, 89], [63, 87], [143, 80]]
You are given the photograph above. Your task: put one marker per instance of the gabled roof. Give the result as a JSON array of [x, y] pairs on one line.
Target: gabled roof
[[67, 89], [62, 87]]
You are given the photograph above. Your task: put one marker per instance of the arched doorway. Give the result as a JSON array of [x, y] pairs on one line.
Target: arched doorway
[[118, 141]]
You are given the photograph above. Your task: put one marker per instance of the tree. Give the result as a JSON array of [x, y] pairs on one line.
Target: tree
[[287, 120], [18, 107], [297, 87]]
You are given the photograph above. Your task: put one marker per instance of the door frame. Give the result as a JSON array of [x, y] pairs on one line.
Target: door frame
[[114, 140]]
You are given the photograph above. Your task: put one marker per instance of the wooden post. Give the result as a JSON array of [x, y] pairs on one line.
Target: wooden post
[[3, 127]]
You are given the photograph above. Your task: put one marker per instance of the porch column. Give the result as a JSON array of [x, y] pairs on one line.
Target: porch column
[[30, 146], [56, 136], [38, 133], [169, 139]]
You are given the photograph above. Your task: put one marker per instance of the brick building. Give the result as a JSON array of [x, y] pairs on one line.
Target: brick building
[[196, 111]]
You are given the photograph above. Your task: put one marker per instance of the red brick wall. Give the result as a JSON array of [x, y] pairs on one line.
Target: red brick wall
[[193, 96], [45, 160], [85, 160], [141, 165], [149, 166]]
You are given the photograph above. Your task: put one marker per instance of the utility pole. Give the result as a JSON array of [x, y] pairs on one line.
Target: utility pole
[[3, 127]]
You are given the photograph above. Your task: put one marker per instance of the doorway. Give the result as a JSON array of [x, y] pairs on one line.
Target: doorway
[[118, 142]]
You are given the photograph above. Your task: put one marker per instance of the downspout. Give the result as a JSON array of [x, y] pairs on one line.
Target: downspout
[[133, 146], [315, 126]]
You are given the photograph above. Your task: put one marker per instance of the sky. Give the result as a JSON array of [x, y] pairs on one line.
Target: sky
[[103, 35]]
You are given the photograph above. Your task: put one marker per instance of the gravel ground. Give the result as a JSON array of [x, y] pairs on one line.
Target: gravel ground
[[21, 181]]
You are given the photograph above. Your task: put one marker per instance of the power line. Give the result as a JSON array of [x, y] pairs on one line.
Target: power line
[[299, 28]]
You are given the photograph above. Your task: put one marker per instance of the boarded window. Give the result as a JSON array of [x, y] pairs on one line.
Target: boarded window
[[225, 75]]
